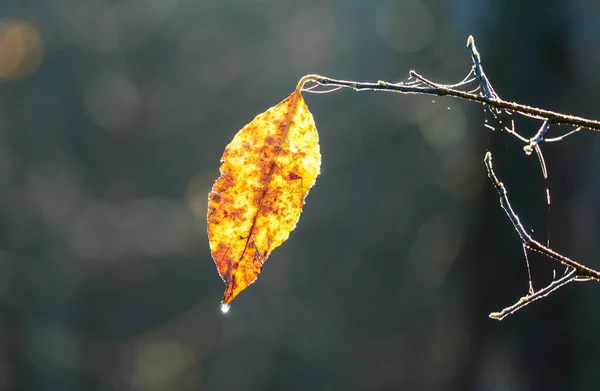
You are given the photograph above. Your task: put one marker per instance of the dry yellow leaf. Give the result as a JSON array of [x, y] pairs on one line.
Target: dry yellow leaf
[[267, 171]]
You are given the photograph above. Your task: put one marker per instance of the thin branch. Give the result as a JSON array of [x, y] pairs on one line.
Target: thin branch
[[577, 272], [488, 90], [538, 137], [513, 132], [531, 291], [525, 300], [540, 156], [422, 79], [559, 118], [581, 270], [489, 97], [559, 138]]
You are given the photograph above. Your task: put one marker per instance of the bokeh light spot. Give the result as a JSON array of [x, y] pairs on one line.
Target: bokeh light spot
[[158, 361], [113, 102], [21, 50]]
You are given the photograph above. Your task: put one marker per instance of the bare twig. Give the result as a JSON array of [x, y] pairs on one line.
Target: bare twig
[[577, 271], [539, 136], [489, 97], [488, 90], [559, 138], [418, 84], [559, 118], [530, 243], [423, 80], [523, 301]]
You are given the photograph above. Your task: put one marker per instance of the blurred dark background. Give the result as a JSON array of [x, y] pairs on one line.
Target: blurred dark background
[[113, 117]]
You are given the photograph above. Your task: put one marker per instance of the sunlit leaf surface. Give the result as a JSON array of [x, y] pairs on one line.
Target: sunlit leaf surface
[[267, 171]]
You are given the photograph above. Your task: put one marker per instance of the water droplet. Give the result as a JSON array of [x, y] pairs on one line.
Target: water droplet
[[448, 107], [225, 308]]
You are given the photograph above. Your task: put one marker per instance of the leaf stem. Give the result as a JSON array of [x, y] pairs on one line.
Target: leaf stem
[[304, 80]]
